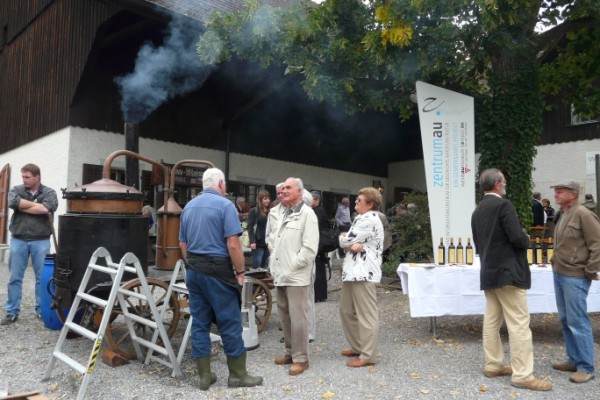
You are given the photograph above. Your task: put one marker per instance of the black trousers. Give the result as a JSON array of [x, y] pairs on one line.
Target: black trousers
[[321, 262]]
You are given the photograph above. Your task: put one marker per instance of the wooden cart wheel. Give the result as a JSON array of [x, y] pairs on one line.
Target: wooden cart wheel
[[87, 314], [263, 303], [117, 334]]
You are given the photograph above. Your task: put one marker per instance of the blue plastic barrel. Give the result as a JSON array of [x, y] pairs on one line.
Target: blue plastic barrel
[[49, 316]]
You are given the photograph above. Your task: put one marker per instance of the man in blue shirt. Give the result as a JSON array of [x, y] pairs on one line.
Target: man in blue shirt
[[209, 241]]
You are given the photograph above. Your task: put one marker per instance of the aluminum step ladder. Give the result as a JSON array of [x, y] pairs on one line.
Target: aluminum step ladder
[[117, 293]]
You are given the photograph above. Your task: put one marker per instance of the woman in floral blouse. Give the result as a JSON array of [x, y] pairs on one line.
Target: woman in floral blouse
[[361, 273]]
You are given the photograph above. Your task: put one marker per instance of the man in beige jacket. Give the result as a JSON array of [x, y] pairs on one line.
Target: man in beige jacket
[[291, 263]]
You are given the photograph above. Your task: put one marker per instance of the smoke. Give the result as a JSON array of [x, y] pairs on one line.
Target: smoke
[[164, 72]]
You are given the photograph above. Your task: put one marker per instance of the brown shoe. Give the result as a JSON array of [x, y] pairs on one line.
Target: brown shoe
[[350, 353], [357, 363], [298, 368], [283, 360], [564, 367], [581, 377], [534, 384], [505, 371]]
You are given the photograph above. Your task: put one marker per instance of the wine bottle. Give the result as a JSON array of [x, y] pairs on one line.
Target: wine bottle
[[530, 255], [539, 254], [460, 255], [451, 252], [549, 251], [441, 252], [469, 252]]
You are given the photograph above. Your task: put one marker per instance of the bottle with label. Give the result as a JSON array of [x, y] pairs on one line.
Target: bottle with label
[[539, 253], [530, 255], [469, 252], [451, 252], [549, 251], [460, 253], [441, 252]]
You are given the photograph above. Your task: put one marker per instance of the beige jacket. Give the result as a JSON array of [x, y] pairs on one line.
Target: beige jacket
[[577, 242], [295, 249]]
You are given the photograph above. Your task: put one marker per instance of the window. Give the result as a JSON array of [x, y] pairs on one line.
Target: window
[[578, 120]]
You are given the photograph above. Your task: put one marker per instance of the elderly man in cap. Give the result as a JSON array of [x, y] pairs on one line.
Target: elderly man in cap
[[576, 263]]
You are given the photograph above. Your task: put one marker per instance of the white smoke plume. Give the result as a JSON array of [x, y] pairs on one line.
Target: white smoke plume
[[163, 72]]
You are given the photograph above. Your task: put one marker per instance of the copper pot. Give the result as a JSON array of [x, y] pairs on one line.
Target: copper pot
[[104, 196]]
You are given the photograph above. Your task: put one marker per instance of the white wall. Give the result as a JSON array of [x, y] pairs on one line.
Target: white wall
[[565, 161], [61, 156], [51, 154], [553, 163]]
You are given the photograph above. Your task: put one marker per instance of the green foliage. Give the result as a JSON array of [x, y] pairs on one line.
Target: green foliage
[[509, 127], [576, 70], [368, 55], [411, 232]]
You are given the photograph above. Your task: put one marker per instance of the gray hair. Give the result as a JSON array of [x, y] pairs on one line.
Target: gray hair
[[307, 197], [211, 178], [489, 178], [147, 208], [298, 182]]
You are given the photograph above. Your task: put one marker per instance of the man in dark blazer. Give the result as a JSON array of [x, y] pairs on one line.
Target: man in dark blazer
[[505, 277], [537, 209]]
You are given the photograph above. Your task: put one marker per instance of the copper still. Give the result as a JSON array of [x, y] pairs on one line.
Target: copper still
[[104, 213], [169, 215]]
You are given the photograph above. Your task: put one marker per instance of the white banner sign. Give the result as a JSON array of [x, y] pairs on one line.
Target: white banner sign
[[448, 137]]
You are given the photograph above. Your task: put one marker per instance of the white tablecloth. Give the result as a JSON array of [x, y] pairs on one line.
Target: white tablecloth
[[454, 290]]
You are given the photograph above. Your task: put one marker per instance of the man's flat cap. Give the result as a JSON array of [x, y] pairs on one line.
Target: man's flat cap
[[571, 185]]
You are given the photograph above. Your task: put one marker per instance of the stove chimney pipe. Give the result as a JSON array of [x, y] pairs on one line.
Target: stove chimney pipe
[[132, 165]]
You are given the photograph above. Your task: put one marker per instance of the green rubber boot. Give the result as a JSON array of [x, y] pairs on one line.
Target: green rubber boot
[[238, 376], [207, 378]]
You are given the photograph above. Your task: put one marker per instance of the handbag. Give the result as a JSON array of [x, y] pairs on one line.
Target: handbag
[[245, 235], [329, 240]]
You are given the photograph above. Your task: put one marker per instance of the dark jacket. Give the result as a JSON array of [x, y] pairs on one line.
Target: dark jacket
[[324, 223], [501, 244], [257, 226], [31, 226], [538, 212]]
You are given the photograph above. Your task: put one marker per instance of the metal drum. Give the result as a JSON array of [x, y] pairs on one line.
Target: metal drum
[[81, 234]]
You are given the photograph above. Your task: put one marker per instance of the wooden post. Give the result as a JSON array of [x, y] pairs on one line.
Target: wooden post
[[597, 159]]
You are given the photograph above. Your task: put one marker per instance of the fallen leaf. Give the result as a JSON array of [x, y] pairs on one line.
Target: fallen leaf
[[54, 388], [424, 391], [328, 395], [439, 342], [415, 375], [454, 392], [287, 389], [371, 369], [483, 388]]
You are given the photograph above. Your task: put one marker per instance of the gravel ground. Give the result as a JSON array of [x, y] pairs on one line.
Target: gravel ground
[[412, 363]]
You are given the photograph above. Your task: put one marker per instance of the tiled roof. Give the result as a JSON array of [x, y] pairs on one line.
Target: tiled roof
[[199, 9]]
